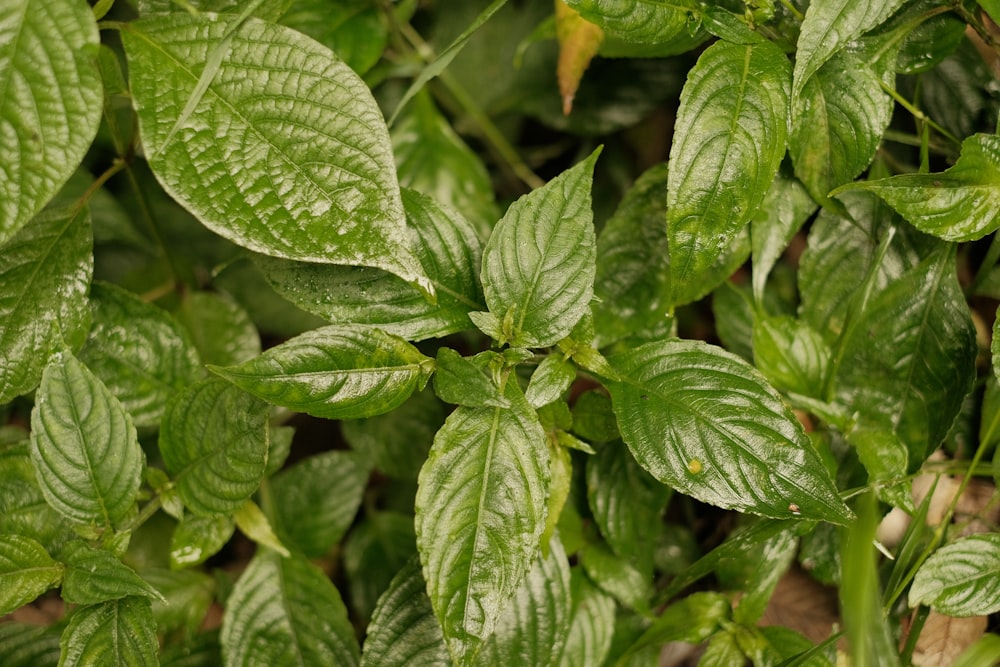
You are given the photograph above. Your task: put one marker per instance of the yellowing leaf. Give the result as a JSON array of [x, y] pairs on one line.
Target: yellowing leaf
[[579, 40]]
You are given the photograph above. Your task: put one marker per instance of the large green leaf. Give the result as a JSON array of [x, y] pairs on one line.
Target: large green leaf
[[118, 632], [214, 443], [83, 445], [95, 575], [336, 372], [592, 622], [837, 124], [791, 355], [376, 549], [539, 263], [285, 611], [959, 204], [139, 351], [962, 578], [829, 27], [449, 251], [269, 139], [706, 423], [480, 514], [316, 499], [51, 104], [785, 209], [729, 142], [908, 360], [33, 645], [44, 274], [653, 22], [26, 571], [23, 510]]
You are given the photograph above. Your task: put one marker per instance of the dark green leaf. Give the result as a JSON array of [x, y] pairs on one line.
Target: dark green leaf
[[353, 29], [203, 650], [139, 351], [480, 513], [51, 105], [198, 538], [83, 446], [539, 263], [23, 510], [187, 597], [94, 575], [214, 443], [694, 619], [224, 104], [593, 417], [316, 499], [45, 270], [285, 611], [118, 632], [729, 142], [785, 209], [617, 577], [220, 329], [961, 578], [336, 372], [374, 552], [32, 645], [468, 382], [592, 621], [449, 251], [550, 380], [639, 21], [761, 565], [734, 318], [26, 571], [791, 355]]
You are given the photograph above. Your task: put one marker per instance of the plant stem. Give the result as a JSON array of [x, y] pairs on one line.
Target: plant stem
[[147, 511], [793, 10], [917, 113], [989, 261]]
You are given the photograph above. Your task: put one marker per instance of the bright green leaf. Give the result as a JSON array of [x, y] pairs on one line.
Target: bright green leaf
[[539, 263], [83, 446], [791, 355], [961, 578], [652, 22], [335, 372], [729, 140], [118, 632], [285, 611], [253, 523], [214, 443], [592, 621], [198, 538], [45, 270], [95, 575], [26, 571], [220, 329], [139, 351], [480, 513], [467, 382], [550, 380], [33, 645], [377, 548], [225, 106], [706, 423], [51, 106]]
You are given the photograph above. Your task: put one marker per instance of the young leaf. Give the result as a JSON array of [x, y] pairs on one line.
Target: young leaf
[[285, 611], [961, 578], [118, 632], [214, 443], [26, 571], [592, 622], [403, 631], [142, 354], [45, 270], [335, 372], [728, 145], [550, 380], [198, 538], [33, 645], [95, 575], [226, 104], [706, 423], [449, 251], [651, 22], [253, 523], [579, 40], [316, 499], [84, 446], [51, 106], [539, 263], [959, 204], [462, 381], [480, 513]]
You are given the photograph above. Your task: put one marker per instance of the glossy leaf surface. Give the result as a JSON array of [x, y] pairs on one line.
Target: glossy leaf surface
[[119, 632], [638, 21], [707, 424], [592, 620], [729, 141], [26, 571], [468, 382], [961, 578], [791, 355], [785, 209], [198, 538], [95, 575], [315, 180]]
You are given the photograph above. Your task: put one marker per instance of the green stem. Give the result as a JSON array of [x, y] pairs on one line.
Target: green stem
[[799, 16], [917, 113], [98, 183], [987, 265], [144, 515]]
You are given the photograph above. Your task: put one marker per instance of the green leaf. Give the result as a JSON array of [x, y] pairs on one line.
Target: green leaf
[[785, 209], [142, 354], [285, 611], [23, 510], [592, 622], [198, 538], [315, 500], [536, 622], [837, 123], [187, 596], [593, 417], [729, 142], [221, 330], [335, 372], [987, 648], [51, 106], [961, 578], [539, 263], [480, 513], [353, 29], [203, 650], [253, 523], [791, 355], [94, 575], [403, 631], [958, 204], [33, 645], [694, 619], [651, 22], [376, 549], [117, 632], [214, 443], [45, 270], [759, 567], [224, 104], [617, 577], [550, 380], [468, 382], [829, 27], [83, 446], [26, 571], [449, 251], [909, 359], [706, 423], [268, 11]]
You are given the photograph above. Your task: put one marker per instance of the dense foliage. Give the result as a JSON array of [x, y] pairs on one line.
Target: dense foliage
[[586, 325]]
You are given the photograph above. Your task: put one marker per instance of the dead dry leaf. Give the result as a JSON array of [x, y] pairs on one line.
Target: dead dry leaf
[[803, 604], [944, 638]]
